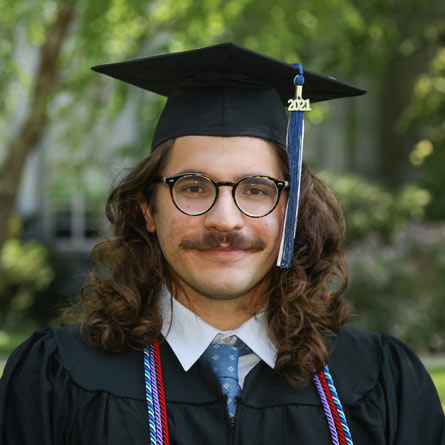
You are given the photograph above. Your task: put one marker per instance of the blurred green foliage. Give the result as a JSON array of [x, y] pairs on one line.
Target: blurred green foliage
[[398, 287], [396, 260], [426, 113], [25, 272], [372, 208]]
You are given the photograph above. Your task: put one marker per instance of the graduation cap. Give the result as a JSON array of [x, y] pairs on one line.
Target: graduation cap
[[228, 90]]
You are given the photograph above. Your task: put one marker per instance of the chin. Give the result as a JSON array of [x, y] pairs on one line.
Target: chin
[[227, 290], [227, 284]]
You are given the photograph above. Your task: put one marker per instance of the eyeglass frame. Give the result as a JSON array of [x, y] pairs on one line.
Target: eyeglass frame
[[171, 181]]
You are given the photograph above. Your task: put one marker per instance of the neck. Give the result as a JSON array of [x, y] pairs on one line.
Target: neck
[[224, 314]]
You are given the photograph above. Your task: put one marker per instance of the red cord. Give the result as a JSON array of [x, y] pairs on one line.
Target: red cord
[[161, 393], [340, 432]]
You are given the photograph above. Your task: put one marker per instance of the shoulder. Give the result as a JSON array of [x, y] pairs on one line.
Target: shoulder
[[38, 348], [369, 347], [380, 379], [62, 350], [363, 362], [365, 347], [359, 361]]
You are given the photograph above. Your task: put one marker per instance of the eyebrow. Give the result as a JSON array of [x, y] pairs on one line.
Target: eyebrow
[[240, 176]]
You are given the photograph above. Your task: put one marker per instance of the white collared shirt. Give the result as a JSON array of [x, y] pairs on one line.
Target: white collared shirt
[[189, 336]]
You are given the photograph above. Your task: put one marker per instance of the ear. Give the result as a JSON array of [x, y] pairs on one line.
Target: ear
[[149, 220]]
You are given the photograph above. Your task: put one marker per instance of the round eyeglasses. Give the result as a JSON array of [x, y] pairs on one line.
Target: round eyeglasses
[[195, 194]]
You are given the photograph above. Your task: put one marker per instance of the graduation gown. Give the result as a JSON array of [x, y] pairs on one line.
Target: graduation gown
[[55, 390]]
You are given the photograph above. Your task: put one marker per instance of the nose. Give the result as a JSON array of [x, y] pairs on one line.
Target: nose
[[224, 216]]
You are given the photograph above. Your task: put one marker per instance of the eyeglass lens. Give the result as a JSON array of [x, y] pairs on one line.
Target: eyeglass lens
[[195, 194]]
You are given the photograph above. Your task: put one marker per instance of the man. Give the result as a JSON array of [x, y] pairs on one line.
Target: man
[[236, 349]]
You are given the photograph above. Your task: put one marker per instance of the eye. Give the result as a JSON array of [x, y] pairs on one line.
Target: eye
[[193, 186], [193, 189], [254, 191], [256, 188]]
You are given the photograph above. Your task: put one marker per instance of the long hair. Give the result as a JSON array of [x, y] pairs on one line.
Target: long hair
[[306, 309], [118, 307]]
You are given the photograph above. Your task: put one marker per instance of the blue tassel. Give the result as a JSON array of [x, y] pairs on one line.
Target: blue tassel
[[295, 136]]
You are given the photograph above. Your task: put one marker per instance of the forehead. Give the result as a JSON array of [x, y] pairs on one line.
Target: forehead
[[223, 158]]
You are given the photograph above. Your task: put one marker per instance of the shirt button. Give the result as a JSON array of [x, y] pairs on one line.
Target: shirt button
[[228, 339]]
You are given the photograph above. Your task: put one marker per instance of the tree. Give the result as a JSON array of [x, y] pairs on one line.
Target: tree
[[36, 120], [67, 35]]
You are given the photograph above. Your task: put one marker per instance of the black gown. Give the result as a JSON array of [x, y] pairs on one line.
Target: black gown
[[55, 390]]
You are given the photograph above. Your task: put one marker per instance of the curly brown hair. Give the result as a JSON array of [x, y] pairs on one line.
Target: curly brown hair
[[119, 301]]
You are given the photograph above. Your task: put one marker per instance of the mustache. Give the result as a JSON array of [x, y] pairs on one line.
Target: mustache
[[234, 240]]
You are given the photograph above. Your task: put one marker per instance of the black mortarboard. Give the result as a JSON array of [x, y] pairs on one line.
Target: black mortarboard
[[223, 90], [228, 90]]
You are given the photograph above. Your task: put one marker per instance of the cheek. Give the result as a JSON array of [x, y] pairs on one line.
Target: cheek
[[280, 213], [172, 228], [275, 232], [270, 232], [274, 223]]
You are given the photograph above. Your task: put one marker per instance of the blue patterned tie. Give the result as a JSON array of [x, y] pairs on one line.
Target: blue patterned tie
[[223, 359]]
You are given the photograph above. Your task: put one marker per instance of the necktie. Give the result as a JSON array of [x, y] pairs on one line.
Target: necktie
[[223, 359]]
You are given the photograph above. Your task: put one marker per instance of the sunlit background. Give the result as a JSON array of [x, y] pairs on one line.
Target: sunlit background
[[66, 133]]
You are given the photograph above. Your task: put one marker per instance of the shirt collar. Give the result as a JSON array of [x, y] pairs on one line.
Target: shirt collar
[[189, 335]]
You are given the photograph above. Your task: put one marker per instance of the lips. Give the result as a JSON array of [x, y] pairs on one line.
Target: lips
[[223, 248], [223, 253]]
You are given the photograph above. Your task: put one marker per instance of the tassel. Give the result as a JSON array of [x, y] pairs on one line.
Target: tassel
[[294, 142]]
